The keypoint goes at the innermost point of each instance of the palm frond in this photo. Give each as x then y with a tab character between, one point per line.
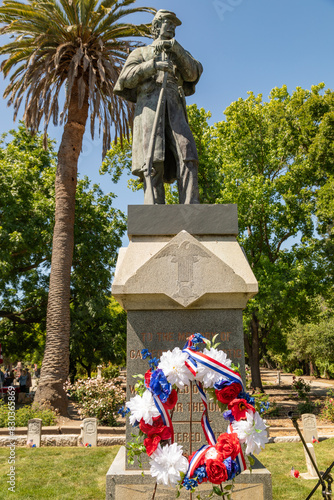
60	44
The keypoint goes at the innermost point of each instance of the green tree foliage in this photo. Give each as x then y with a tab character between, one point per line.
265	153
79	47
27	175
26	220
310	346
274	159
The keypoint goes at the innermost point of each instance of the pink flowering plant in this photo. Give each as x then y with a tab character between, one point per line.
328	409
151	412
97	398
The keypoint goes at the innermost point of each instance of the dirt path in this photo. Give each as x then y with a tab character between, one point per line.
286	400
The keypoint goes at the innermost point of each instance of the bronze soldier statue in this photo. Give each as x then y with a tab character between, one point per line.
157	78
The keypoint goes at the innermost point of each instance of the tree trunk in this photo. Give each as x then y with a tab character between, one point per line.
55	365
253	351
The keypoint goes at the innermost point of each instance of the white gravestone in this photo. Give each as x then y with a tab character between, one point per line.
34	432
310	430
99	371
90	431
311	472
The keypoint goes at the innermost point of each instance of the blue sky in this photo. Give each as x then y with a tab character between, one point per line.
244	45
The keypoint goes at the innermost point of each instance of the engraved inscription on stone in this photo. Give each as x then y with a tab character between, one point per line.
90	431
164	330
310	430
34	432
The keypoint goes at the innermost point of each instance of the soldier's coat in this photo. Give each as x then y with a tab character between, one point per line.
139	82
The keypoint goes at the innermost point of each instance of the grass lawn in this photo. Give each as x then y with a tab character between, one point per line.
280	457
79	473
57	473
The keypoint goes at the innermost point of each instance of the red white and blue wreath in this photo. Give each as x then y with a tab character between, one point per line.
156	395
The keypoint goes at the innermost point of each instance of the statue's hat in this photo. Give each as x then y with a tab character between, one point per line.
166	13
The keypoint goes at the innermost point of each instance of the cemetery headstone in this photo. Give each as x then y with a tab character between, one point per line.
99	371
310	430
34	432
311	472
90	431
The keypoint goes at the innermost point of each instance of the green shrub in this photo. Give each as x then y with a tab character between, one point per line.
111	371
27	412
299	372
98	398
326	369
307	407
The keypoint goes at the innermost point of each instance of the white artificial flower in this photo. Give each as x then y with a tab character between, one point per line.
167	463
208	376
252	431
172	364
211	454
142	407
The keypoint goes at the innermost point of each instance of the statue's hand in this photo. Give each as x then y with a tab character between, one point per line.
164	66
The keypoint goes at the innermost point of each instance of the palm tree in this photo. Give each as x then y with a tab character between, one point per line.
78	45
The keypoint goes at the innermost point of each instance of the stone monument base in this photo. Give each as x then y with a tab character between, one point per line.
125	484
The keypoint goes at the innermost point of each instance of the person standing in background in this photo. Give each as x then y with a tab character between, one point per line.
23	381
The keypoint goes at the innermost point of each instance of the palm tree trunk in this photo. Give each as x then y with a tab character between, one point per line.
55	367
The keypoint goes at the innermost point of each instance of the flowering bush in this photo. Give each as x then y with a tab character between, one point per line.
97	398
328	409
263	406
156	393
302	387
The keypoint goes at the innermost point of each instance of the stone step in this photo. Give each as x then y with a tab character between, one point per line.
63	440
66	430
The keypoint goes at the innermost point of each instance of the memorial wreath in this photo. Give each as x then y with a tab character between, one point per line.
219	460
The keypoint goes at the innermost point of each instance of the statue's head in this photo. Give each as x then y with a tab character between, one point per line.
164	24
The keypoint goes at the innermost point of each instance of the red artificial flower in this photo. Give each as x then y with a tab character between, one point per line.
155	433
172	400
227	394
239	408
151	444
216	471
296	473
228	445
156	428
147	378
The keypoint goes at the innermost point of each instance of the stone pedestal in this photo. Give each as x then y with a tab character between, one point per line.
123	484
182	273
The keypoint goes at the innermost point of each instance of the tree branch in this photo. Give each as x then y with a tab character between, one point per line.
28	268
280	244
16	316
